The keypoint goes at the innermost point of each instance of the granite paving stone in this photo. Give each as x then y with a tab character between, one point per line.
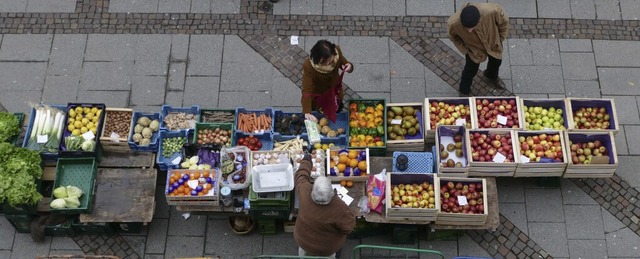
572	194
66	55
173	98
193	226
460	3
205	55
162	210
225	6
184	246
369	78
404	90
6	235
176	79
60	89
106	47
305	7
610	222
5	253
552	237
607	10
626	109
621	142
283	7
222	241
389	7
202	91
518	8
200	6
467	247
544	205
627	164
24	247
510	189
174	6
583	9
231	99
377	95
133	6
234	78
526	79
402	64
448	248
430	7
623	243
150	67
153	47
22	75
237	50
106	75
64	243
348	7
365	49
574	88
575	45
157	236
136	243
545	52
584	222
588	248
179	47
110	98
619	81
617	53
630	9
579	66
279	244
435	84
7	6
19	100
285	93
51	6
516	213
554	9
153	256
148	90
520	52
22	47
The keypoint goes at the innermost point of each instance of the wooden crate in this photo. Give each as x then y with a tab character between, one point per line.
444	136
205	200
491	168
431	131
115	143
546	103
340	176
526	168
573	104
410	143
516	101
419	214
599	170
449	218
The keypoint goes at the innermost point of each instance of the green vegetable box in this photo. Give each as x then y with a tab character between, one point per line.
75	177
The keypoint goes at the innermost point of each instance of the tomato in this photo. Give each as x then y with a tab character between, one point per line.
259	144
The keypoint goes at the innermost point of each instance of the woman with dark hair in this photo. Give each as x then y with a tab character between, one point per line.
322	81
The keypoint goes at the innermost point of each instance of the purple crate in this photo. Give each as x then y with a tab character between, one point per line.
607	104
604	138
450	131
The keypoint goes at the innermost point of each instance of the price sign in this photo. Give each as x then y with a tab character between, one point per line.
547	129
192	124
41	139
499	158
396	121
114	137
502	119
461	122
524	159
88	135
294	40
193	183
462	200
176	161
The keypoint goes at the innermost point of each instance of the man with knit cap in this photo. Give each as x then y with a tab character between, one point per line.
478	31
324	220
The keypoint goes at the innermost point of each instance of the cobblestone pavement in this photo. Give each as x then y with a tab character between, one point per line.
535	222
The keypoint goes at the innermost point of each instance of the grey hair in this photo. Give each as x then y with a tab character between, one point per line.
322	192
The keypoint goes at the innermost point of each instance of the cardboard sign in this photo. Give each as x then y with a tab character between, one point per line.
396	121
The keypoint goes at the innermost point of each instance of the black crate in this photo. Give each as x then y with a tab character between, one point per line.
61	230
20	222
267	226
92	228
404	234
127	227
270	212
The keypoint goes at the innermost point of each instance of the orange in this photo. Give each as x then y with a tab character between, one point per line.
353	154
362	165
341	167
343	183
349	184
197	175
353	162
343	159
205	174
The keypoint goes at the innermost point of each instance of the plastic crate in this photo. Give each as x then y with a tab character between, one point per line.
419	162
373	150
203	115
222	126
404	234
22	209
166	109
27	133
79	153
91	228
339	142
276	212
20	222
79	172
267	227
15	140
267	112
153	144
277	115
266	139
61	230
269	199
165	163
342	121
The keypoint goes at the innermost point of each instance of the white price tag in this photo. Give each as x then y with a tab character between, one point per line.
41	139
462	200
294	40
192	124
524	159
461	122
502	119
499	158
176	161
88	135
547	129
347	199
193	183
115	137
396	121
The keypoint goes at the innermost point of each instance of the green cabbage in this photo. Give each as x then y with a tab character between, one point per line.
58	204
72	202
60	192
73	191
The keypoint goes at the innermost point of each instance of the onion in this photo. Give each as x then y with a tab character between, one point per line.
217	130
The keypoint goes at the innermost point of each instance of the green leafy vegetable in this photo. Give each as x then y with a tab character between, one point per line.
19	170
9	126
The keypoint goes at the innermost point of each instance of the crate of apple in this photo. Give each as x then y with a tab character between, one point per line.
451	197
542	153
592	154
452	156
411	196
448	111
492	152
544	114
592	115
498	112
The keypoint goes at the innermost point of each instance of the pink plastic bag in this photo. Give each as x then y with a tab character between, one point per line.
375	193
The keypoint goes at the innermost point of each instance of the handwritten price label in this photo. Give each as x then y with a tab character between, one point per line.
524	159
499	158
502	119
88	135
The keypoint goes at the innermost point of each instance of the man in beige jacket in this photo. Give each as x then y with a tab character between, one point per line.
478	31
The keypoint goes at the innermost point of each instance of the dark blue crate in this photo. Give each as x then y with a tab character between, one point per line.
79	153
165	163
266	139
419	162
153	145
277	114
340	142
267	111
548	103
277	137
342	121
166	109
32	117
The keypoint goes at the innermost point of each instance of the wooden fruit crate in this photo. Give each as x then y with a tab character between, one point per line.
204	200
477	113
546	103
526	168
444	136
417	214
410	143
493	168
471	123
573	104
340	176
449	218
111	141
604	167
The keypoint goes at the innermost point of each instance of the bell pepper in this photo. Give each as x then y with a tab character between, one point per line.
353	107
361	107
380	130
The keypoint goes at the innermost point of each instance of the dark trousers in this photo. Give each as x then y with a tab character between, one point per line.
471	69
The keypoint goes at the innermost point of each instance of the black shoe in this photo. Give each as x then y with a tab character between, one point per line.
274	1
490	79
497	82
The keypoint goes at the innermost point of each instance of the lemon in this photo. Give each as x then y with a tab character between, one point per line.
76	132
85	121
78	117
317	145
90	125
95	119
87	110
79	110
89	115
71	127
94	130
325	146
94	109
98	112
72	113
83	130
77	124
70	121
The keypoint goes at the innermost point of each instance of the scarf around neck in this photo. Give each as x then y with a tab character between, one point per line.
325	69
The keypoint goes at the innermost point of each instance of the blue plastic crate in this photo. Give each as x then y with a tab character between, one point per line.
277	114
267	111
340	142
433	154
266	139
32	117
165	163
166	109
342	121
153	145
419	162
277	137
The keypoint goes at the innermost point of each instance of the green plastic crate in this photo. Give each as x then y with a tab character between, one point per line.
270	212
404	234
203	115
20	222
16	139
373	150
224	126
267	226
62	230
271	199
91	228
79	172
22	209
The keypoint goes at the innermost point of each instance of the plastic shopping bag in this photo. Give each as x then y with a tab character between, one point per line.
375	191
